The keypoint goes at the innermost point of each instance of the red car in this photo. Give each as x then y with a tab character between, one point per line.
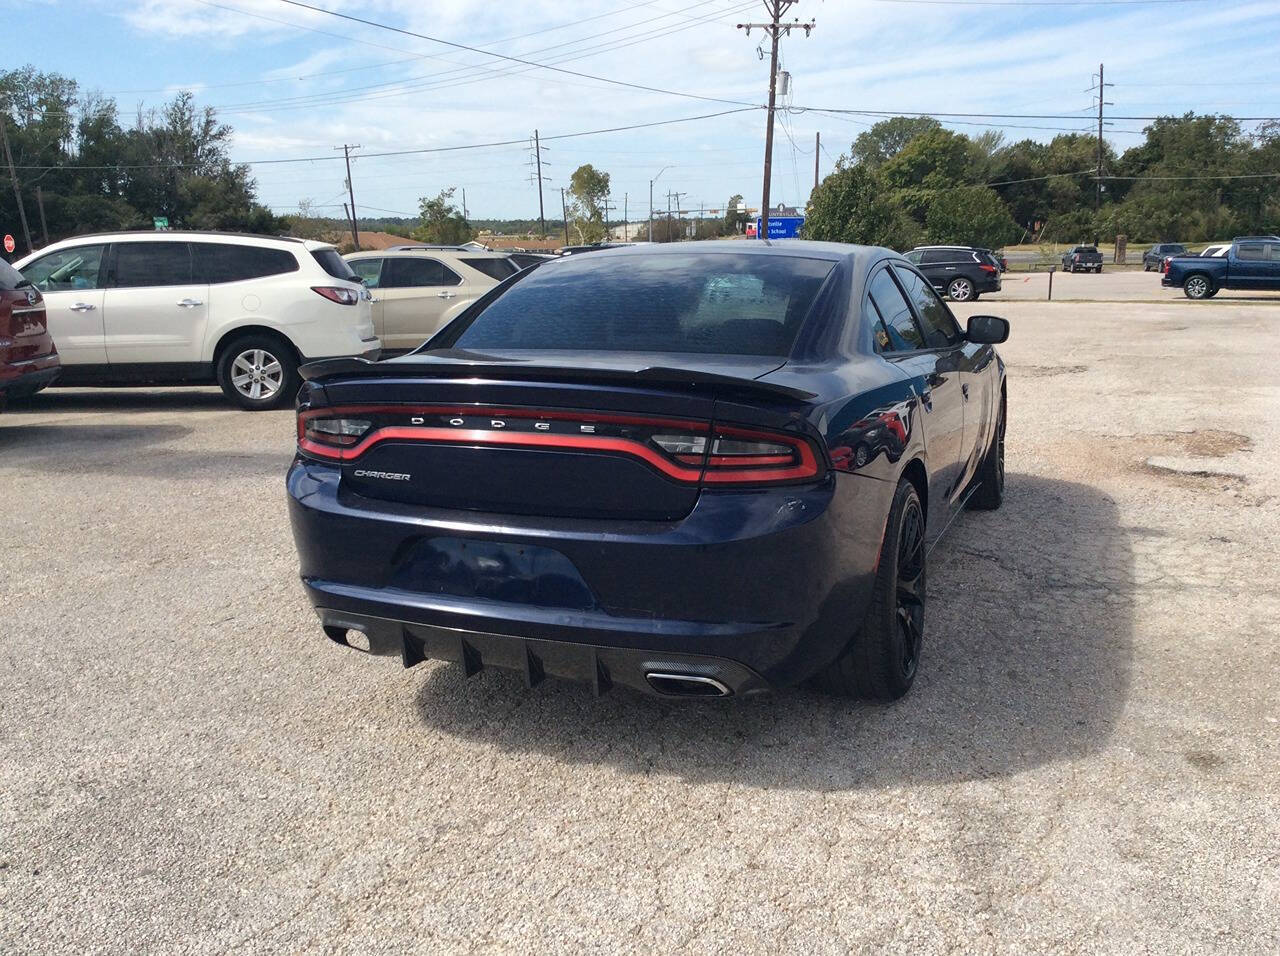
28	358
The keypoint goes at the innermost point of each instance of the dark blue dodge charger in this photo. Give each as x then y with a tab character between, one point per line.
701	469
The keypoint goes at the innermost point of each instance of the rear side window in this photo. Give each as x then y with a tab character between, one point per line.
1251	250
223	262
368	271
410	273
10	278
691	302
79	267
333	264
897	331
494	268
939	255
940	329
141	265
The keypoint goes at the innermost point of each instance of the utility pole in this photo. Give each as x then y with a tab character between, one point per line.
1102	101
44	226
817	148
351	193
537	156
607	206
624	217
651	182
464	207
13	175
565	209
775	27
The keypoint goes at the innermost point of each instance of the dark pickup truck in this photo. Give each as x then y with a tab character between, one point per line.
1252	265
1082	259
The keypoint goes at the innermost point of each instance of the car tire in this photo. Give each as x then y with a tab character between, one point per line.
1197	287
258	372
881	661
1146	266
989	493
961	289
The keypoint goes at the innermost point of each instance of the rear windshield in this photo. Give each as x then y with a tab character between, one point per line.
10	278
332	263
493	268
713	303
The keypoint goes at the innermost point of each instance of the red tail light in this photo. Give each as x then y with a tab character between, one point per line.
1164	267
686	451
337	293
992	269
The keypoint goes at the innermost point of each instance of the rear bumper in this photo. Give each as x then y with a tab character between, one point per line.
757	589
18	379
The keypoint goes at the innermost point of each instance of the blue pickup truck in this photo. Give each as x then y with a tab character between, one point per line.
1252	263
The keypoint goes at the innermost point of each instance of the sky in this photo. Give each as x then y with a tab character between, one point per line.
295	84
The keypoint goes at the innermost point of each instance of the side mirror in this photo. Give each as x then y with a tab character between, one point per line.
987	330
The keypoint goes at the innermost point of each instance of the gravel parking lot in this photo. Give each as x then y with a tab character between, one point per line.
1090	760
1111	285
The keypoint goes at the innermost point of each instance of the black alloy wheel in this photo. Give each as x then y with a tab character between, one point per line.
910	590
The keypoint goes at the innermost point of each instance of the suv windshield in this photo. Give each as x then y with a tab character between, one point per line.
332	263
712	303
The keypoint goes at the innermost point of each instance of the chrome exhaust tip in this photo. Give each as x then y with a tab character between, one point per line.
686	685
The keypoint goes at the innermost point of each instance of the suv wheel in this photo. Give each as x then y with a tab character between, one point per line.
960	289
258	372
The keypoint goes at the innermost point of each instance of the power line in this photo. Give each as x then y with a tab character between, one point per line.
1040	116
513	59
466	73
1038	3
408	152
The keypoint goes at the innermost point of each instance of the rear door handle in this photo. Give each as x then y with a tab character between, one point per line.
447	295
189	303
83	307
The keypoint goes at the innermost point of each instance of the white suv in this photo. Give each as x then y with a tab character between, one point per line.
194	308
418	290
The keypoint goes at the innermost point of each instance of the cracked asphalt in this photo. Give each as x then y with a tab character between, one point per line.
1089	762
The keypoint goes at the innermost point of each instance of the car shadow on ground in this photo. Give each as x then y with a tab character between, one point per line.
1027	661
123	399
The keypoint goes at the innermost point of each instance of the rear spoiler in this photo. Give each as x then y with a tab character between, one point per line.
686	378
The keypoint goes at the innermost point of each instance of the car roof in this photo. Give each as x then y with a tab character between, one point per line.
785	248
410	253
152	235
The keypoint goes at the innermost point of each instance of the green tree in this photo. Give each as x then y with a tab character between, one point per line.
970	216
589	188
886	139
735	215
442	221
853	205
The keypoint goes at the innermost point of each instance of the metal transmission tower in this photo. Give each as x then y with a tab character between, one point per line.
351	194
774	28
1101	88
538	179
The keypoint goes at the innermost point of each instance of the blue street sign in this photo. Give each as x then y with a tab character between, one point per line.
782	227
